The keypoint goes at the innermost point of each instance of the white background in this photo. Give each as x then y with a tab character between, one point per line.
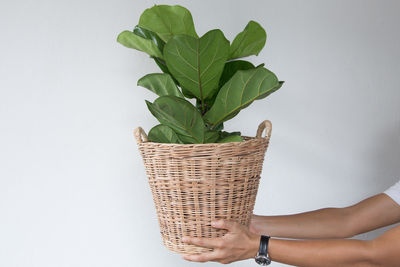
73	190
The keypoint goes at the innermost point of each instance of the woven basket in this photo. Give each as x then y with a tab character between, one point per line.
193	184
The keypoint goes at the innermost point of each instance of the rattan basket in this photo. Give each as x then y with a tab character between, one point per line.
193	184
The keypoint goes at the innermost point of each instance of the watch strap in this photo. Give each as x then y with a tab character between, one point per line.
264	241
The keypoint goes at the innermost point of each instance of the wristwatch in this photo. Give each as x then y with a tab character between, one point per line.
262	257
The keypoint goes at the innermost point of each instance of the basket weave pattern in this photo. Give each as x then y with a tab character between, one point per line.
193	184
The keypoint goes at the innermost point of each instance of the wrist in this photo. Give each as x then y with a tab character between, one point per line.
257	224
254	245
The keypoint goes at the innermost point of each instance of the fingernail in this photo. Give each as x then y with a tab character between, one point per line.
213	223
184	239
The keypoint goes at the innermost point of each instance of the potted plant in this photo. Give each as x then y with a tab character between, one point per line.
197	171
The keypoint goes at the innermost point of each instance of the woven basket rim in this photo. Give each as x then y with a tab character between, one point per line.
248	139
142	138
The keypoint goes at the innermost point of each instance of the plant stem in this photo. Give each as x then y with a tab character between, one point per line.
203	110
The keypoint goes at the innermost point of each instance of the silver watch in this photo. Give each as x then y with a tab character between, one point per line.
262	257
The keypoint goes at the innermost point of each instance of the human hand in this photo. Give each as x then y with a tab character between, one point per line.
237	244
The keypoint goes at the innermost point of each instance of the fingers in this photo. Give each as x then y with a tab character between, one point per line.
207	256
211	242
202	242
224	224
225	249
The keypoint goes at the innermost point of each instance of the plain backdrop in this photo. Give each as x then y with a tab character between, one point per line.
73	190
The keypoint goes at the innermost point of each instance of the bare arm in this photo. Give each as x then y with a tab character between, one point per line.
383	251
239	244
369	214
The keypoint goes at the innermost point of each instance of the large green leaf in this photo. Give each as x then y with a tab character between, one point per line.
131	40
232	67
196	63
163	134
239	92
168	21
161	84
249	42
181	116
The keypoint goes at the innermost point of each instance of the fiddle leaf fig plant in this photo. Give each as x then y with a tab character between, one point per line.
207	69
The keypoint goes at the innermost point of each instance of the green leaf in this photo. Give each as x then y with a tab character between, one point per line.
276	88
168	21
231	138
131	40
211	136
163	134
187	93
161	64
197	64
225	137
161	84
231	68
239	92
146	34
219	127
181	116
224	134
249	42
186	139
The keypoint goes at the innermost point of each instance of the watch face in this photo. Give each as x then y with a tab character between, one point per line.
262	260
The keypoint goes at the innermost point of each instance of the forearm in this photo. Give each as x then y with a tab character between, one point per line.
239	244
369	214
323	223
322	252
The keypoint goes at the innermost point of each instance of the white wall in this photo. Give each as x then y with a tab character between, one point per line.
73	191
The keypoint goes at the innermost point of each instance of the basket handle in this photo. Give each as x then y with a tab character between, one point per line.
140	135
267	125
